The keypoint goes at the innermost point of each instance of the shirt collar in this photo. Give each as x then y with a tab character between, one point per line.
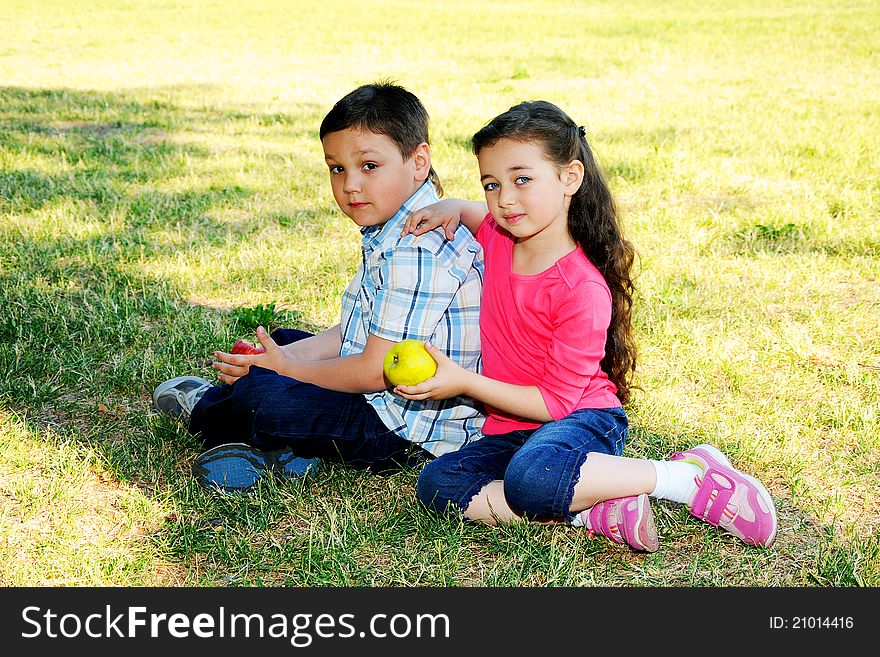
375	235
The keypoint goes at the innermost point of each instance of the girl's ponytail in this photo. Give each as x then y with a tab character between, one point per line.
593	223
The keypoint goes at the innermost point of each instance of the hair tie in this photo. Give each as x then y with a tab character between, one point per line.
582	131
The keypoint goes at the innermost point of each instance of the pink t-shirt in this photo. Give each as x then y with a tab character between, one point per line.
546	330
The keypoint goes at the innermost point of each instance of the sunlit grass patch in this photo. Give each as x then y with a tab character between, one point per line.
67	520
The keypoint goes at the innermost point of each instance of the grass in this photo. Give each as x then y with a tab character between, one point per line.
162	188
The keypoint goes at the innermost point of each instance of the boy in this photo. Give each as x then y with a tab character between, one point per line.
311	396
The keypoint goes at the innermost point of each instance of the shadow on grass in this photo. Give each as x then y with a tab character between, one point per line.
794	238
85	334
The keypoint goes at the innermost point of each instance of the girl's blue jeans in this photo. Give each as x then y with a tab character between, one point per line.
270	411
539	467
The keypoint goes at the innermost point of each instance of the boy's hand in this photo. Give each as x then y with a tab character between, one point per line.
449	381
444	213
231	367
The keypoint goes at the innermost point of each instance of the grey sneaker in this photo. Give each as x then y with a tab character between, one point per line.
177	397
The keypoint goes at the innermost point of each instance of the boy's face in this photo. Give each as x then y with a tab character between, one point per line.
369	177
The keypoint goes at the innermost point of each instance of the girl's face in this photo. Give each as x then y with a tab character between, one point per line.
527	193
370	179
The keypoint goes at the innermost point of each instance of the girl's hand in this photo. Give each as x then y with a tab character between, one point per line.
231	367
449	381
444	213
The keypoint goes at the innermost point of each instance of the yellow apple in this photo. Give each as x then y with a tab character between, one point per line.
408	363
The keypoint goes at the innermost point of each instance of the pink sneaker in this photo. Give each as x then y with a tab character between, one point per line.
730	499
627	520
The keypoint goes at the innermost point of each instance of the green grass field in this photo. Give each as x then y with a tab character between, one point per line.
160	168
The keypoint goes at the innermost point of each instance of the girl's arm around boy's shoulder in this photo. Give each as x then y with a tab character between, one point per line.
448	214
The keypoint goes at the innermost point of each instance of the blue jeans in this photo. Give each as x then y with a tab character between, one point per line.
539	467
270	411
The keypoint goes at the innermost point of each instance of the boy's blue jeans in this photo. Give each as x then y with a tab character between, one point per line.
270	411
539	467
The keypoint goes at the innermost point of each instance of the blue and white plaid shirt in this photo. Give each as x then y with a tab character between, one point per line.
423	288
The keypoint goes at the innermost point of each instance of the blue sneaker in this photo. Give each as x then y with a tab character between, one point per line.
236	467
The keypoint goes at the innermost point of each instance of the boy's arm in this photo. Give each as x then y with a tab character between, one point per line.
318	347
356	373
448	214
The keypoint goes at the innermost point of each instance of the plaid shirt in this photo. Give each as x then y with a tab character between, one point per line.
425	288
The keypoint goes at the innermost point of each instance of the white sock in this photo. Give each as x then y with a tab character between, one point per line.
577	521
675	480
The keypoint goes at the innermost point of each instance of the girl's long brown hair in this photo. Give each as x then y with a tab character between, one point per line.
592	220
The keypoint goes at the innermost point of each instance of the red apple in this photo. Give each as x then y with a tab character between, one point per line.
242	347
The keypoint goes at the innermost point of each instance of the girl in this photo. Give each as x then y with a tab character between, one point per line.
558	355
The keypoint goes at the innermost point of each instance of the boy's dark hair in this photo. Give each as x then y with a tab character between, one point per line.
593	221
385	109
